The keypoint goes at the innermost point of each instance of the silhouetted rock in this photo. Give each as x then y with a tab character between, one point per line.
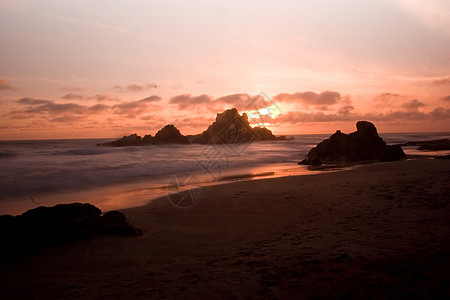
170	135
115	223
265	134
147	139
131	140
434	145
45	226
361	145
228	128
392	153
232	128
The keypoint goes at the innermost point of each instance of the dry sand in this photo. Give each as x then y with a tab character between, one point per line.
378	231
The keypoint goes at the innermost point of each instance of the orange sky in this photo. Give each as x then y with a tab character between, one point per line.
76	69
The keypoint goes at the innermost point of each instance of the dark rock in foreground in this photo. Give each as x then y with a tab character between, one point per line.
63	223
434	145
362	145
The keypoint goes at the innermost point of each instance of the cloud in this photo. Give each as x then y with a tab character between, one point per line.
442	81
385	100
311	98
98	108
4	85
66	119
347	115
244	101
440	113
194	121
135	108
241	101
186	100
65	111
71	96
105	97
446	98
135	87
52	107
72	89
151	99
56	111
312	117
412	105
32	101
385	97
233	98
345	110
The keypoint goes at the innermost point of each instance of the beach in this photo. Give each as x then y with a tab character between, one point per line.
376	231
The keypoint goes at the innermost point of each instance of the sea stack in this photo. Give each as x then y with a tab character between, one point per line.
362	145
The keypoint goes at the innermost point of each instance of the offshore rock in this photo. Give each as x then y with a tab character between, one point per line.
434	145
170	135
232	128
362	145
229	128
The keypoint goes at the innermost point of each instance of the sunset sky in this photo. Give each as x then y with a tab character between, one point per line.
107	68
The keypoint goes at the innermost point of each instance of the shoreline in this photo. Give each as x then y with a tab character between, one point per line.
144	191
376	231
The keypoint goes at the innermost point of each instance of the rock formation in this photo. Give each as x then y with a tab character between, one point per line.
228	128
131	140
434	145
168	135
232	128
45	226
362	145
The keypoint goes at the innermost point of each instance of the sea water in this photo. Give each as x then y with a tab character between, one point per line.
45	172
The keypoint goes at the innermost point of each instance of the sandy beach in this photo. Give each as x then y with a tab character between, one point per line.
379	231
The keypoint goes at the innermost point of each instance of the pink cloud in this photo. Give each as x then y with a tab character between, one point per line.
347	115
4	84
442	81
105	97
134	87
133	109
72	96
412	105
186	100
322	100
72	89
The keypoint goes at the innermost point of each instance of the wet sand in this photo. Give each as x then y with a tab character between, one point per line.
377	231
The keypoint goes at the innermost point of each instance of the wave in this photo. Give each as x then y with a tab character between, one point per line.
29	167
81	151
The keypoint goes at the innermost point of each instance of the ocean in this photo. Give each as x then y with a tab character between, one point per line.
46	172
